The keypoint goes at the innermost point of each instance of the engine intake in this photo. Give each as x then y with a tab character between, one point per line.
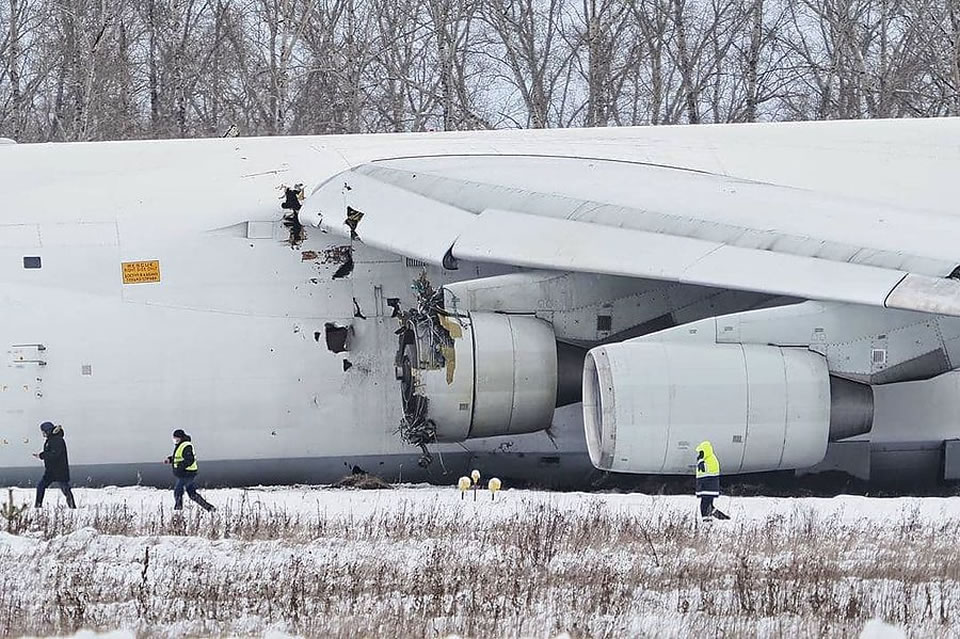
647	404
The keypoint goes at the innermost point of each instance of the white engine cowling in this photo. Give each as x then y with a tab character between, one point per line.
646	406
477	375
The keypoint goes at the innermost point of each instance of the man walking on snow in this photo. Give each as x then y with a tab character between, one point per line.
708	481
55	464
185	469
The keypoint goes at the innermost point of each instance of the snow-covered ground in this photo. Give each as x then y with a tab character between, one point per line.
419	561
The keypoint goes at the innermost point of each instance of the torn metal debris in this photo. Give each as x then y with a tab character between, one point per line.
293	201
346	268
426	337
356	310
394	304
292	197
361	480
336	254
342	255
297	234
353	220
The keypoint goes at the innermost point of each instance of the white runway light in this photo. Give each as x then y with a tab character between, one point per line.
493	486
463	484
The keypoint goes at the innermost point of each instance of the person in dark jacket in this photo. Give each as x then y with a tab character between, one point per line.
708	481
185	467
55	463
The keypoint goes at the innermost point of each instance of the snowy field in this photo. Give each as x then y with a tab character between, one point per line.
420	562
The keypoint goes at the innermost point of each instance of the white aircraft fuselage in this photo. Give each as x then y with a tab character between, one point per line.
148	286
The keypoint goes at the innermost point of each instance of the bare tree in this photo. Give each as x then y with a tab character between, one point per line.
604	46
651	86
528	31
12	47
117	69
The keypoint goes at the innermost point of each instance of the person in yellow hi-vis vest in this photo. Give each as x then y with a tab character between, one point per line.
708	481
185	468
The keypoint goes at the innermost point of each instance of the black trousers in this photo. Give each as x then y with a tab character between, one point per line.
706	505
64	488
185	484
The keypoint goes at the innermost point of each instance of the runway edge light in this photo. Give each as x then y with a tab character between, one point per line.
464	485
493	486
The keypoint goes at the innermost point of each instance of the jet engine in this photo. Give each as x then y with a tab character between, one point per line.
477	375
647	404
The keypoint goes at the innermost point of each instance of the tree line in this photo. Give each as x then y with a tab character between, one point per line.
125	69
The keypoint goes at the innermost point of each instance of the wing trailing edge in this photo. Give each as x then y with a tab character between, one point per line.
539	242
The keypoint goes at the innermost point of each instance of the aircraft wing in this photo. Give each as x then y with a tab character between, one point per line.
647	221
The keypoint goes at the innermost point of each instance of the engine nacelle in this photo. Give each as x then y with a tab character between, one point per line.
476	375
647	404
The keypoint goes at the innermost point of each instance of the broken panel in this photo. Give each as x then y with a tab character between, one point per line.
356	310
353	220
293	201
346	268
337	337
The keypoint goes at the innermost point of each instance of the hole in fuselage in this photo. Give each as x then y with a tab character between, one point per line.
337	337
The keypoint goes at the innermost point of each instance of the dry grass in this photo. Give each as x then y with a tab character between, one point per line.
426	568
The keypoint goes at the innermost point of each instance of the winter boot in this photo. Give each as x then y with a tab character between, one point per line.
719	514
207	506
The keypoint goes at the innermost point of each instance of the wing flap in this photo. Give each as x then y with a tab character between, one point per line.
539	242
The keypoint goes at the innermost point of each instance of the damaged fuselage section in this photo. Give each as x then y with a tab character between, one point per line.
468	375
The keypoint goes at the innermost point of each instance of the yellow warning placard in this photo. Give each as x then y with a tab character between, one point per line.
144	272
